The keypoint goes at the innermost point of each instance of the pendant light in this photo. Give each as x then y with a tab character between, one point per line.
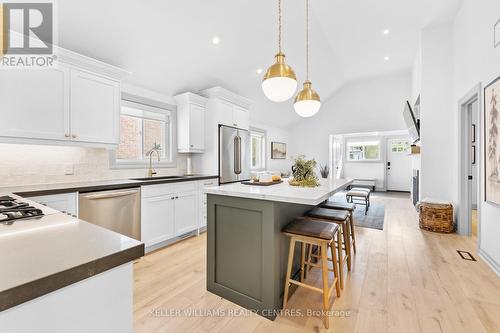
307	102
279	82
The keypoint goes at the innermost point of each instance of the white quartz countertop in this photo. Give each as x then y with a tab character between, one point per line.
283	192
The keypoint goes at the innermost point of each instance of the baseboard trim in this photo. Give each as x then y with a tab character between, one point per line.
490	261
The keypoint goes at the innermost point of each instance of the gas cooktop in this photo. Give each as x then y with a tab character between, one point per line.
12	209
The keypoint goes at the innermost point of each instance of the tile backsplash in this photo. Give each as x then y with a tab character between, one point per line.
37	164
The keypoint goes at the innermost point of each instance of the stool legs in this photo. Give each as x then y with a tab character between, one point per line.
341	260
291	251
353	235
302	261
346	230
326	289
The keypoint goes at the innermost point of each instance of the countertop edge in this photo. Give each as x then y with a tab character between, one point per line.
104	187
39	287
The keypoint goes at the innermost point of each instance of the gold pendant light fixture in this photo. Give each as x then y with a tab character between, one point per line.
307	102
279	82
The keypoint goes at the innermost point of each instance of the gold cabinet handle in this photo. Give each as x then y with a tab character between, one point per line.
66	135
73	136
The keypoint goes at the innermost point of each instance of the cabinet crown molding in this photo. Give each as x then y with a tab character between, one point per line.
221	93
78	60
192	98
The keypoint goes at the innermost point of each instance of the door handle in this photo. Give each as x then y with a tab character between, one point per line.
237	155
109	195
469	177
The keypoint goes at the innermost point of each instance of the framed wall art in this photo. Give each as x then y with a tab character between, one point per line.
492	142
278	150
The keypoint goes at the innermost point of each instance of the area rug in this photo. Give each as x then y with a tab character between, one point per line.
373	219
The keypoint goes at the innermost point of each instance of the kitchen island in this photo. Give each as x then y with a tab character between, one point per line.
246	251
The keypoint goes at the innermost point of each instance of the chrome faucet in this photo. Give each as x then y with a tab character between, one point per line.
156	149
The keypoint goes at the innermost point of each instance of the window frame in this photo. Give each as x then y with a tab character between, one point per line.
363	143
152	106
263	134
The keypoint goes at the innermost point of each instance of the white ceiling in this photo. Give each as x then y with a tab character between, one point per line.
167	45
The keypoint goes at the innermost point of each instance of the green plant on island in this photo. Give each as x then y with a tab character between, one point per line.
303	172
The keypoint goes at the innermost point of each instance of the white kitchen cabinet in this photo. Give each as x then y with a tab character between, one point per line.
202	200
190	123
75	103
35	104
95	108
65	203
185	216
157	219
168	211
241	118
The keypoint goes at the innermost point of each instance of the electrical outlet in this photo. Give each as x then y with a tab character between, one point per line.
69	169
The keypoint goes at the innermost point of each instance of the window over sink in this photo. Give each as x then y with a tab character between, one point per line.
143	126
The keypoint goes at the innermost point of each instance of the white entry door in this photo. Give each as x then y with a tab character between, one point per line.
398	165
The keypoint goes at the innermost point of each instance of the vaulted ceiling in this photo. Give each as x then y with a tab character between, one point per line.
167	45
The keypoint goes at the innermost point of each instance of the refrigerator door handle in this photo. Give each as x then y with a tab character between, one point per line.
237	154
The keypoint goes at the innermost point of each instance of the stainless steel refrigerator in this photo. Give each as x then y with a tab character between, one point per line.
234	154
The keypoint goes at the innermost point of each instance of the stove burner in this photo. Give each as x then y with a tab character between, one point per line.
12	209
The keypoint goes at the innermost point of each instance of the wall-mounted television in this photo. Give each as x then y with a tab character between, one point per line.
412	124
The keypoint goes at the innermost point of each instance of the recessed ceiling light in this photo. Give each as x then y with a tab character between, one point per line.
386	58
386	31
259	70
216	40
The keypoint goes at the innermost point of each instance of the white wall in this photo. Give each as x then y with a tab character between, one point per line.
374	104
438	116
275	134
475	60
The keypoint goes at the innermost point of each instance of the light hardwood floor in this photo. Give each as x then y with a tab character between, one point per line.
403	280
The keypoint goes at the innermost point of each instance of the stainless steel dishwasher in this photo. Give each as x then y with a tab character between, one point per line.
117	210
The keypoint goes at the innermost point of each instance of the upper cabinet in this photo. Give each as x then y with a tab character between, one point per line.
228	108
190	123
76	102
34	104
94	119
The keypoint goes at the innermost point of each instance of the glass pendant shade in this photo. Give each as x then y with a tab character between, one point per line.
307	102
280	82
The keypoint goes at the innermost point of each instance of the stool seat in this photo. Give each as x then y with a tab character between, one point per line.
360	189
339	205
305	226
357	193
329	214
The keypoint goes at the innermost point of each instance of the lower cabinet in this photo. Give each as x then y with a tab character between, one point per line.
66	203
157	219
185	217
168	211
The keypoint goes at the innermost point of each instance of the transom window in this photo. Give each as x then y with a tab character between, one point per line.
257	150
363	151
400	146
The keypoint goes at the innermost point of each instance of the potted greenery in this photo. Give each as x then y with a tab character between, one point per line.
303	172
324	170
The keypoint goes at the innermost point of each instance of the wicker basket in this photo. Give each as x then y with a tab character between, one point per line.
437	217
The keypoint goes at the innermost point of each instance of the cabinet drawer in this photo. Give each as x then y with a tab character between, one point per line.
207	183
149	191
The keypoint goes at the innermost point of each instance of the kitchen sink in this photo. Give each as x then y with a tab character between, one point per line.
157	178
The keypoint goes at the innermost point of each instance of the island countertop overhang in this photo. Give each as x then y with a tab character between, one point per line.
283	192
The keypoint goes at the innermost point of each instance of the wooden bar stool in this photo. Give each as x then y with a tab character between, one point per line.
350	207
340	218
322	234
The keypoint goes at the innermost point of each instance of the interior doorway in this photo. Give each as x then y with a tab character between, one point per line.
469	163
399	171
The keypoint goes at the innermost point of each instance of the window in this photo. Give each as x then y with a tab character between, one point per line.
143	127
400	146
257	150
363	151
